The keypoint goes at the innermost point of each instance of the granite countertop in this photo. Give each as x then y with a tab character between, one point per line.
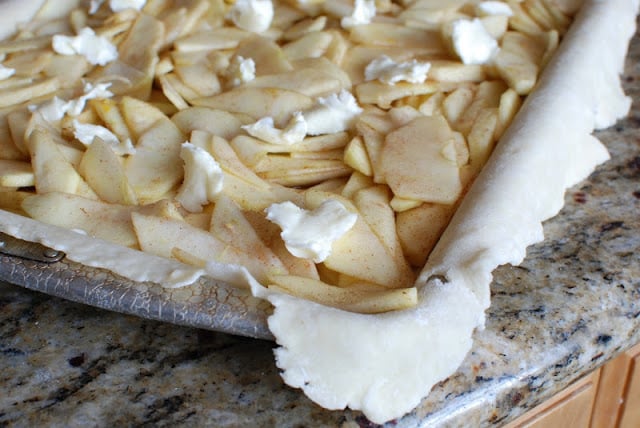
572	305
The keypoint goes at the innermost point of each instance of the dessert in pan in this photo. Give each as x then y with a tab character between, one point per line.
361	166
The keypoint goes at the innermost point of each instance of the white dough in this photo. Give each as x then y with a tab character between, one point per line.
410	351
385	364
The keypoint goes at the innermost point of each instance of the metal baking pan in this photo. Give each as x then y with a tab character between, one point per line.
207	304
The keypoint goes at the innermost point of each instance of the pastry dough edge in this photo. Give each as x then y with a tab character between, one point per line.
328	353
332	354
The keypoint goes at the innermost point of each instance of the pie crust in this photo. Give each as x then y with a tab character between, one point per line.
385	364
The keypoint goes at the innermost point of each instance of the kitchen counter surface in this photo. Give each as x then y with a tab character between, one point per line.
572	305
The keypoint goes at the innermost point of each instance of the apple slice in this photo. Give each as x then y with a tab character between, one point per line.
456	103
269	233
53	172
259	102
175	91
373	205
356	181
519	59
138	50
108	111
156	167
412	161
266	54
252	150
230	162
292	171
455	71
179	21
384	95
487	95
496	25
373	141
396	35
229	224
310	45
326	66
214	39
482	138
432	105
12	143
199	77
12	97
15	173
161	236
420	228
361	300
304	27
103	171
311	82
399	204
102	220
510	103
11	199
360	253
139	115
217	122
355	155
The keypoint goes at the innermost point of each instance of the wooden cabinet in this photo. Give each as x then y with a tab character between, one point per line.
607	398
618	399
568	409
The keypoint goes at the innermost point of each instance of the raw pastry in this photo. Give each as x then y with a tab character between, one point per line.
384	364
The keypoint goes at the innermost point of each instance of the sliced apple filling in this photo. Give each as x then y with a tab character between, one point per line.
178	128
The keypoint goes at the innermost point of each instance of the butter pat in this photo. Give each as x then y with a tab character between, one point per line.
203	178
252	15
241	70
52	110
99	91
388	71
363	13
310	234
334	113
120	5
96	49
265	130
472	42
86	133
56	108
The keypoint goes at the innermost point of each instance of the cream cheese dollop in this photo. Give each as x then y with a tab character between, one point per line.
363	13
388	71
241	70
87	132
252	15
55	109
310	234
472	42
265	130
333	113
98	50
203	178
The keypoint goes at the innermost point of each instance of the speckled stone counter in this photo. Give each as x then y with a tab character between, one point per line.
572	305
